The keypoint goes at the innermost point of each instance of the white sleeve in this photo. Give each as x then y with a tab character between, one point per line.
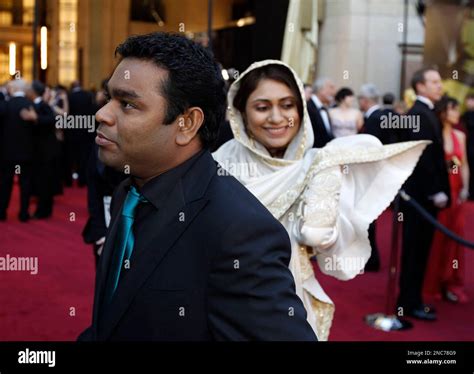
341	201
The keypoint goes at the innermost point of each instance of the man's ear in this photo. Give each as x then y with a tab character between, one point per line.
189	124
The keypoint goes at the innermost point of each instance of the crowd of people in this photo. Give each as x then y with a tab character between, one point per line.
297	140
44	153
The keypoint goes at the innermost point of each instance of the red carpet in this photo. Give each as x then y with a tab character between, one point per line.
56	303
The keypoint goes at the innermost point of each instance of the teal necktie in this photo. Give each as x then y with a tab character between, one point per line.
124	241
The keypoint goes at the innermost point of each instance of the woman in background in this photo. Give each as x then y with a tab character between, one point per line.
346	120
445	271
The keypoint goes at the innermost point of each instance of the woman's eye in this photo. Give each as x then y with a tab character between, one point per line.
261	108
288	106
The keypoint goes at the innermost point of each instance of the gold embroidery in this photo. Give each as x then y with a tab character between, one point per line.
306	268
324	313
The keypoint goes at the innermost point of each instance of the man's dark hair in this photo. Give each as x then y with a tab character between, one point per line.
388	98
419	76
38	87
194	77
275	72
342	94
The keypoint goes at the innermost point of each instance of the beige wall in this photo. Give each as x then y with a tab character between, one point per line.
359	42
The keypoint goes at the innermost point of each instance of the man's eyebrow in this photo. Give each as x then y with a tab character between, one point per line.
124	94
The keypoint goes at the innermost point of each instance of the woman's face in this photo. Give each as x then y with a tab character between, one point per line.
271	116
349	101
453	114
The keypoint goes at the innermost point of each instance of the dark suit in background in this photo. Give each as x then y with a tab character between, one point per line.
321	135
429	177
468	120
17	154
101	183
46	148
209	263
372	126
78	142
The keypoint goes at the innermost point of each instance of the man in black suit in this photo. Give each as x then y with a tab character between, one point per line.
101	183
17	149
383	123
78	141
46	148
468	121
190	253
324	91
368	103
429	186
393	135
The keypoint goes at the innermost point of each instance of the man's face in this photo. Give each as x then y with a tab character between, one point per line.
470	104
432	88
364	103
132	136
327	93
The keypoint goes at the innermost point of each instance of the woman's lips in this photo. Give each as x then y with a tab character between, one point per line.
276	131
102	140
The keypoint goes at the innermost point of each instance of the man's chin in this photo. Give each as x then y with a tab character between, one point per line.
108	159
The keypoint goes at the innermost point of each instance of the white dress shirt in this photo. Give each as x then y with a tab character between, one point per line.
426	101
323	113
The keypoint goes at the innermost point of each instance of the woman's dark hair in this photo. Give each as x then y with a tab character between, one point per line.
342	94
194	78
278	73
441	107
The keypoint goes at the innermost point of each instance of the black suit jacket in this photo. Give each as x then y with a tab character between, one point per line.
17	134
101	182
321	135
219	274
81	103
46	143
374	125
431	173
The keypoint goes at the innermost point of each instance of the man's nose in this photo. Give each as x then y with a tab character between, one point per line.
104	115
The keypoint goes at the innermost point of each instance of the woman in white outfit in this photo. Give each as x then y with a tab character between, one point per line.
326	198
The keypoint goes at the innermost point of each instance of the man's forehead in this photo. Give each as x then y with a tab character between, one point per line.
134	68
432	75
133	73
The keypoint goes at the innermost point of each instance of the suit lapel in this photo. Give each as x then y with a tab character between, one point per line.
183	206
